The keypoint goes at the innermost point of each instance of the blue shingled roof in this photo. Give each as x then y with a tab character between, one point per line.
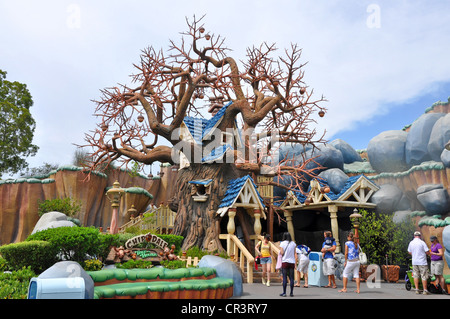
233	189
200	127
217	153
195	127
201	181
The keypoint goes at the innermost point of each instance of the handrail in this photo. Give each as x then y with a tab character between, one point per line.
234	246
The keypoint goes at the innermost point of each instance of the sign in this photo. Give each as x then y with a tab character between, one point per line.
150	238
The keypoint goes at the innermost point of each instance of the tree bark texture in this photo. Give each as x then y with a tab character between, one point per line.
197	221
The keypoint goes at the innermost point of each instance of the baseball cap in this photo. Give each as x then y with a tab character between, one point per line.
433	238
417	233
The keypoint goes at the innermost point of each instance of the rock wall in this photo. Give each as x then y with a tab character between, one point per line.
19	198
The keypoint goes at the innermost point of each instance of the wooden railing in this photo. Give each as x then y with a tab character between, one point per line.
238	253
163	218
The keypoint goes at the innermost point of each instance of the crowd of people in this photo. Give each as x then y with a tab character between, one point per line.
293	257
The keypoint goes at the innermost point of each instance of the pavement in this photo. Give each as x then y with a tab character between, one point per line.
382	290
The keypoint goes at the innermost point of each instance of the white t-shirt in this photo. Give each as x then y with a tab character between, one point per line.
289	251
418	249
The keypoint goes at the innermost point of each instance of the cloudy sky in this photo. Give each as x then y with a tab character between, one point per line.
378	63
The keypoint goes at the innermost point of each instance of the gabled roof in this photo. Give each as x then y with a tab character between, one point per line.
241	192
357	189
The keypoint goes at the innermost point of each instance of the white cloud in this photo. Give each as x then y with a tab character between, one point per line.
66	51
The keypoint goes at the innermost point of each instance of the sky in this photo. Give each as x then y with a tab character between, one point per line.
379	64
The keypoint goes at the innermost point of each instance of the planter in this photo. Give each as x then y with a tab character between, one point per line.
391	273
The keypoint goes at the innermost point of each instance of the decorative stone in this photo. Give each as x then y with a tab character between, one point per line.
335	178
434	198
387	198
349	154
440	135
416	148
52	220
386	151
70	269
224	268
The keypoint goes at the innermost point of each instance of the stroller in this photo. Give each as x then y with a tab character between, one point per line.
432	287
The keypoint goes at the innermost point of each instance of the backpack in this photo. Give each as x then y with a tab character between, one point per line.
304	249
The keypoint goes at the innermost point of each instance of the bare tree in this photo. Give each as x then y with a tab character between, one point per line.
263	95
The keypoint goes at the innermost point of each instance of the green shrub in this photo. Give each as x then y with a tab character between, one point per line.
92	265
173	264
15	285
39	255
77	243
380	236
130	264
67	206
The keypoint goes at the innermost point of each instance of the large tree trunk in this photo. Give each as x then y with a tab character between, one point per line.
197	221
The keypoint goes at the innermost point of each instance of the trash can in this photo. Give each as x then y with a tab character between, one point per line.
315	270
56	288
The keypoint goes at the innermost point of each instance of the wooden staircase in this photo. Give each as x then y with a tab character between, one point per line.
275	277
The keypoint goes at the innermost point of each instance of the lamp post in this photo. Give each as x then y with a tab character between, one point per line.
114	194
355	218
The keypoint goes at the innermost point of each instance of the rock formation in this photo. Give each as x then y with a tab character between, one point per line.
19	197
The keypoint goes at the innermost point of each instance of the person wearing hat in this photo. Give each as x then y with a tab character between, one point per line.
419	251
437	262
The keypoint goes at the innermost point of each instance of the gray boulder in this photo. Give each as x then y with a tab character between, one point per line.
224	268
70	269
387	198
401	216
440	135
386	151
326	156
416	148
434	198
445	158
349	154
335	178
446	243
52	220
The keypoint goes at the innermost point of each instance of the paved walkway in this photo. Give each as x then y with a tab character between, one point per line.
384	291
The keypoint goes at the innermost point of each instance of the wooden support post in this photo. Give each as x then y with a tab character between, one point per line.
288	214
332	209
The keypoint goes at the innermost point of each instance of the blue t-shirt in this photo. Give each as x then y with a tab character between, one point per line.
328	254
353	252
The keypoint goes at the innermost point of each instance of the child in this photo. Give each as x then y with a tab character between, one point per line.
329	243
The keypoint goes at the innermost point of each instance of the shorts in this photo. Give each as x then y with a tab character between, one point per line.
265	260
437	267
329	266
303	265
351	268
420	272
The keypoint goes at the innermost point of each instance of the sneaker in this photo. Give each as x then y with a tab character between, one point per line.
417	292
283	295
268	283
425	292
263	281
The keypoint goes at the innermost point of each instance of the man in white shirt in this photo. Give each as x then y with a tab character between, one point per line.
419	251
